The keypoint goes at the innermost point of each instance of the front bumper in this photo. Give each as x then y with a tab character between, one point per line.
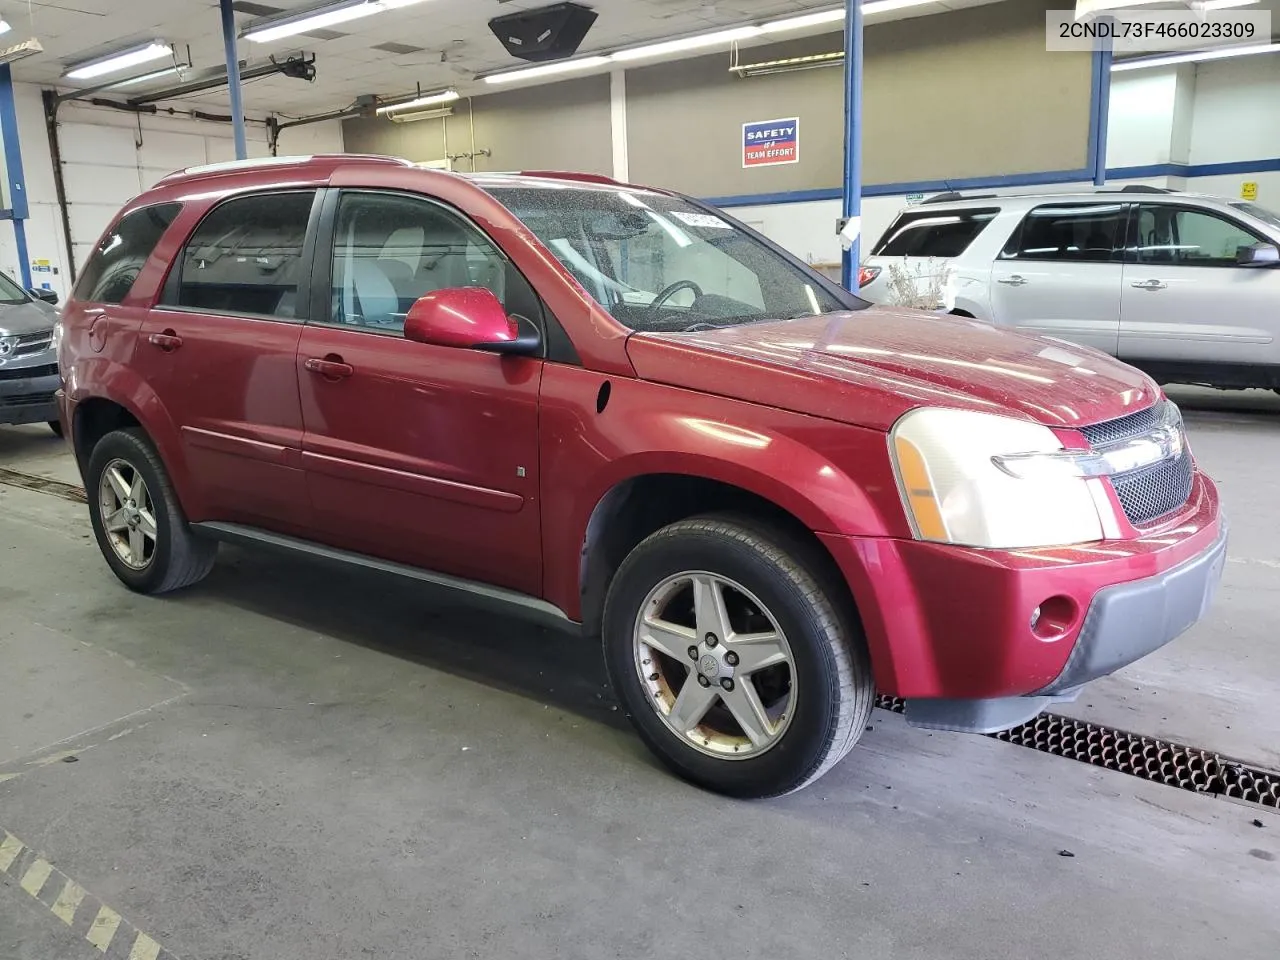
29	399
957	632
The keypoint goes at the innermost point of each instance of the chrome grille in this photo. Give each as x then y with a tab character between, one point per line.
1153	492
33	343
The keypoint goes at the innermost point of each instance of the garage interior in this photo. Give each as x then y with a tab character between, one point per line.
295	761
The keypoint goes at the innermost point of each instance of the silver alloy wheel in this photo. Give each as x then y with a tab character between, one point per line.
716	665
128	514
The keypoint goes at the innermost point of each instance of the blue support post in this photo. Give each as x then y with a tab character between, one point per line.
233	78
1101	111
18	210
852	187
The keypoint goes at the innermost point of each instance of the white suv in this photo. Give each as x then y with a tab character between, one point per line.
1177	284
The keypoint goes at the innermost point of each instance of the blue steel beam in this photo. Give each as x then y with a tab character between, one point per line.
18	210
233	78
852	188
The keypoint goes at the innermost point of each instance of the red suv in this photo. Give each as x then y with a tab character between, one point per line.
616	408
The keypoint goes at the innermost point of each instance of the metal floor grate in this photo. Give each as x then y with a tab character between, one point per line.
1160	761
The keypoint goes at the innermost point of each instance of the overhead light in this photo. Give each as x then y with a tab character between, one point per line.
789	64
1195	56
448	96
305	21
803	21
143	78
413	116
549	70
681	44
20	51
1225	4
118	61
887	6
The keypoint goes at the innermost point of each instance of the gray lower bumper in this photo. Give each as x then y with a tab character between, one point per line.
29	399
1125	622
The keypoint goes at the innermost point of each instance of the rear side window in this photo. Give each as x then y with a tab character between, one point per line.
929	233
246	257
1079	233
116	262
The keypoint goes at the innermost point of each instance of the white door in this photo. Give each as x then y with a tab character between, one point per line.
1185	297
1060	274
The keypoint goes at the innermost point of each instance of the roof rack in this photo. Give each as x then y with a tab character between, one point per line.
1138	188
951	196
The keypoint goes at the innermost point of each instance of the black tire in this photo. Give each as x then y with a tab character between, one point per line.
180	558
830	659
56	427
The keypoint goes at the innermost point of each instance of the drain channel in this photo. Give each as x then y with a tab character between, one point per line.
28	481
1148	758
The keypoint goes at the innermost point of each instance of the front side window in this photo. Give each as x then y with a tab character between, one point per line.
389	250
246	257
660	263
929	233
1188	238
116	262
1076	233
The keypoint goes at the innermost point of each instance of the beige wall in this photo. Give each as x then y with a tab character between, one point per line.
564	126
962	94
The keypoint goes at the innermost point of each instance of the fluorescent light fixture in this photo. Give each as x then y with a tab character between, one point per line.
803	21
118	61
434	99
681	44
1225	4
888	6
315	18
20	51
4	26
549	70
1195	56
143	78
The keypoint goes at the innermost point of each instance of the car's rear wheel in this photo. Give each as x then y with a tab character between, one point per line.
136	518
738	662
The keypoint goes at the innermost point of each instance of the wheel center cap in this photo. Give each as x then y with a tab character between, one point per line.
709	667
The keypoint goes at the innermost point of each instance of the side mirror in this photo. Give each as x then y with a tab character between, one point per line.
1259	255
471	318
48	296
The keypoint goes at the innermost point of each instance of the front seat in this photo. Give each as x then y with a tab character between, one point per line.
370	299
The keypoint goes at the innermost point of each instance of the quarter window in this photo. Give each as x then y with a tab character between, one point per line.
390	250
116	262
1188	238
246	257
1079	233
929	233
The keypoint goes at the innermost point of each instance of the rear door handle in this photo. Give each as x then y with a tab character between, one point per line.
331	367
1149	284
167	341
1016	280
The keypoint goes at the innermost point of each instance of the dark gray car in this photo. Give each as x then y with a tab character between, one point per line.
28	360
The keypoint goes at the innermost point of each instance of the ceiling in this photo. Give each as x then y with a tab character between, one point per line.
434	44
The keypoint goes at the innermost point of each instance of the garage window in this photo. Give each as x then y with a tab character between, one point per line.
930	233
115	264
1075	233
246	257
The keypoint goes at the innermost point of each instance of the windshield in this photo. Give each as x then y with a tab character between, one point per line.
662	264
1261	213
10	292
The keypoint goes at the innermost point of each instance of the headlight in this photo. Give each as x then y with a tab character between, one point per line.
57	335
984	480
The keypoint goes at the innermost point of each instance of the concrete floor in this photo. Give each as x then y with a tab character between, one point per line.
291	762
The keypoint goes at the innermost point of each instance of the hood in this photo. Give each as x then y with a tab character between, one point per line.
17	319
869	367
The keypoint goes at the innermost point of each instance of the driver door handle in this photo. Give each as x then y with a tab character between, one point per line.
1149	284
167	341
331	368
1016	280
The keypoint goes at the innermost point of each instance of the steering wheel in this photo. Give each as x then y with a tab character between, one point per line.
670	291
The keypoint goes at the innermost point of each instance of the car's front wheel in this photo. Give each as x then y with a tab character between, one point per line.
738	662
136	518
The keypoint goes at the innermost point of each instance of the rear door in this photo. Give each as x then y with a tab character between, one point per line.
1060	274
1186	299
220	350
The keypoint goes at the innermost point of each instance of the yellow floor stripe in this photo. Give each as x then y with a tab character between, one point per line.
144	948
10	847
103	929
33	880
68	902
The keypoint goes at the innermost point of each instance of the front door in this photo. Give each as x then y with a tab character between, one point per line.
1187	300
420	454
221	349
1060	274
